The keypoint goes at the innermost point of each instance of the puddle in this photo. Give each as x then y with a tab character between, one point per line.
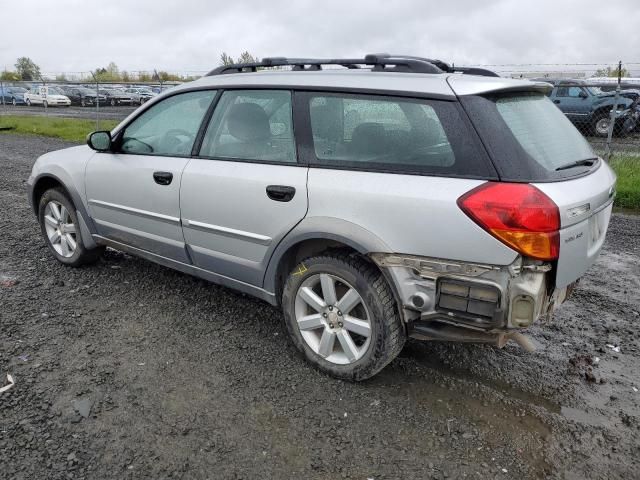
496	423
494	384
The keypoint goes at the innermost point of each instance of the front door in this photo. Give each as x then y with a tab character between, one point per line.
134	193
574	102
246	190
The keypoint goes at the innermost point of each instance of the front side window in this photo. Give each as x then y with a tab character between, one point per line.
169	127
378	131
571	92
251	125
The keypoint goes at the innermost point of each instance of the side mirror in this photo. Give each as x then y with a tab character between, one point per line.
99	141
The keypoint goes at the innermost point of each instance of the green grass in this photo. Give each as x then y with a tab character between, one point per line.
627	169
72	129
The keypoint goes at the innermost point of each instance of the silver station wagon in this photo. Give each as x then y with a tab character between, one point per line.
372	199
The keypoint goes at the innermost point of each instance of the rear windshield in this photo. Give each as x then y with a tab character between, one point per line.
541	138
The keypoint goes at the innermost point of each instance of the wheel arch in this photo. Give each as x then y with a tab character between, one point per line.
313	236
46	181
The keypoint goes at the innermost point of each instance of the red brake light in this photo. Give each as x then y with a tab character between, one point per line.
517	214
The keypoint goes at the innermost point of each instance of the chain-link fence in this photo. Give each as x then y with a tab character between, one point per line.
602	101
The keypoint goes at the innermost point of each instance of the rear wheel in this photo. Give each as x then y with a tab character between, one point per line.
601	125
341	315
61	231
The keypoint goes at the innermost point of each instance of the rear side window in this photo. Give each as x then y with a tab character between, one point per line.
399	135
528	137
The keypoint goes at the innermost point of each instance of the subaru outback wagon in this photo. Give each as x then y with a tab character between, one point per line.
381	198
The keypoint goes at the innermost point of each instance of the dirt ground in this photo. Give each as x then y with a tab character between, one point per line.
130	370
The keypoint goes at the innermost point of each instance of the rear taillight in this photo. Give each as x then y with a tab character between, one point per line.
518	214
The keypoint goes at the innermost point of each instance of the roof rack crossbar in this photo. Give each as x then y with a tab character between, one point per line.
377	62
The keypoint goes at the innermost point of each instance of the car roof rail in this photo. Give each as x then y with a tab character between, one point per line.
377	61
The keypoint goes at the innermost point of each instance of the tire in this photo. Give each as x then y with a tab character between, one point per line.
28	102
375	328
79	255
113	102
601	125
14	102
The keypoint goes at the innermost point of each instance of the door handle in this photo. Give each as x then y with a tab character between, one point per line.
556	101
280	193
163	178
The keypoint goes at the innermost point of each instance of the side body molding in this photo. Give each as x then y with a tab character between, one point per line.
325	228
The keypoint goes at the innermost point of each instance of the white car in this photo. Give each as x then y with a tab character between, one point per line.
46	96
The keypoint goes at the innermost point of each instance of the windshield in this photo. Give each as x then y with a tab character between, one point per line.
55	91
595	90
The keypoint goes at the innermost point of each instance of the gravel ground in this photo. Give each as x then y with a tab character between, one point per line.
130	370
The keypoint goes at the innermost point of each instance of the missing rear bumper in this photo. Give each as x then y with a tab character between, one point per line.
471	295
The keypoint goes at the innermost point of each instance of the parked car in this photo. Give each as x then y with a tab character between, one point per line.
589	108
139	95
406	199
116	97
82	96
12	95
47	96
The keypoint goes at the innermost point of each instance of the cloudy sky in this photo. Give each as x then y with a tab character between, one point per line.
189	35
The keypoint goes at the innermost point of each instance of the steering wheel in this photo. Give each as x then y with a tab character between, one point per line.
170	142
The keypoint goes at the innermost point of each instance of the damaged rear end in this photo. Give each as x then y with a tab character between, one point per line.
551	205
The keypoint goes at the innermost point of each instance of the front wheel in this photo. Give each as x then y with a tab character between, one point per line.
341	314
61	230
28	102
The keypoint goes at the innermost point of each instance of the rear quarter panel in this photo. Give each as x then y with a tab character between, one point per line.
412	214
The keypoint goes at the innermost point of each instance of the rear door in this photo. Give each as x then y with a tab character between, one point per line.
246	190
134	193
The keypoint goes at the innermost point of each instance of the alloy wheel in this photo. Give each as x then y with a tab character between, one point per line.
61	231
333	318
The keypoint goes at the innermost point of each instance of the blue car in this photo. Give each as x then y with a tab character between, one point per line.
12	95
